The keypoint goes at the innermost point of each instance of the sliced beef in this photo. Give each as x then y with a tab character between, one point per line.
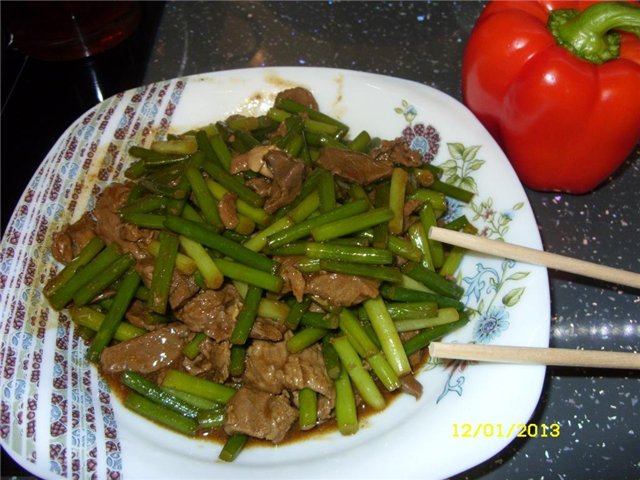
411	386
341	290
418	358
397	152
147	353
267	329
212	362
68	242
264	366
260	185
139	237
280	131
213	312
227	210
183	287
111	228
219	355
325	408
282	175
306	369
354	167
299	95
252	160
271	368
139	315
259	414
410	207
288	175
335	289
293	279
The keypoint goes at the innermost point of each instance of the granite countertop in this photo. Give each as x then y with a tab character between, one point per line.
424	41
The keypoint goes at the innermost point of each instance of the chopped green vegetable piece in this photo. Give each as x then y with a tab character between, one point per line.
152	391
349	225
346	412
64	294
359	375
308	406
163	272
247	316
90	250
433	281
198	386
388	335
162	415
232	447
124	295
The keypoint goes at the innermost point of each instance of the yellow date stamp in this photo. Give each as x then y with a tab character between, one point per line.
499	430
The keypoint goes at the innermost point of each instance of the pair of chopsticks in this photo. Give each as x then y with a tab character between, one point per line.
535	355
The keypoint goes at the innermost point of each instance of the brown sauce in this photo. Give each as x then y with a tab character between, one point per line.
218	435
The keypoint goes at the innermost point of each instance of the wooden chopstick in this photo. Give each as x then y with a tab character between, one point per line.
535	355
529	255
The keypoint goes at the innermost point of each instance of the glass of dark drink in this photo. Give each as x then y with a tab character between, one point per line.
58	30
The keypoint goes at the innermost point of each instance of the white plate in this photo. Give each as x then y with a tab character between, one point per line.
58	419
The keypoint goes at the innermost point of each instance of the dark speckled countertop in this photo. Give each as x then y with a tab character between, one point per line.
598	410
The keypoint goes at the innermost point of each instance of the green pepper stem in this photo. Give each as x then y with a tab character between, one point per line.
590	34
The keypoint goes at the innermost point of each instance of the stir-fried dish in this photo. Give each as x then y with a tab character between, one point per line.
261	276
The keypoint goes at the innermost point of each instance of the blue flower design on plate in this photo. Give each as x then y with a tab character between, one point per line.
490	324
508	215
123	122
114	461
477	283
55	467
19	222
109	420
5	267
149	110
58	371
78	357
80	396
56	413
22	340
36	298
452	386
61	331
86	131
70	169
83	437
420	144
17	387
455	209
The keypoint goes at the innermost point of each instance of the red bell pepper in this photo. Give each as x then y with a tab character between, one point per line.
557	83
